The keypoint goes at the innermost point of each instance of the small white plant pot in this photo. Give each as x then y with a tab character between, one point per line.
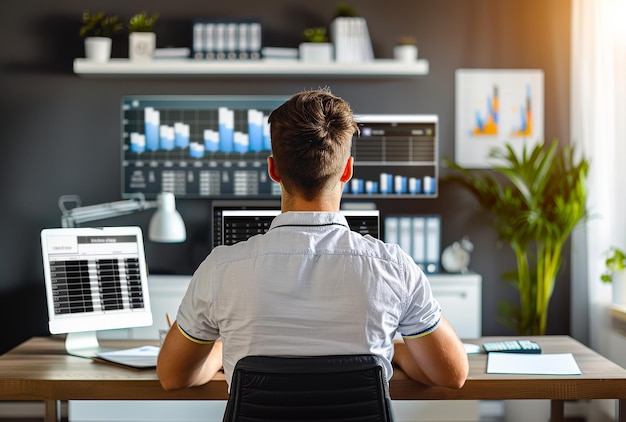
316	52
405	53
141	46
619	288
98	49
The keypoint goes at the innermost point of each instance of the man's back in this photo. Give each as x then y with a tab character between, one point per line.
310	286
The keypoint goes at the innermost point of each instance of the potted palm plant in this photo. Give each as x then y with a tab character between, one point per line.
142	39
98	30
536	199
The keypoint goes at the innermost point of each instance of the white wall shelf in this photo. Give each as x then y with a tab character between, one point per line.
116	68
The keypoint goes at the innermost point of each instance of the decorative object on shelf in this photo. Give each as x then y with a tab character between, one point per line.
218	38
350	36
98	30
456	257
141	38
536	198
615	264
315	47
405	50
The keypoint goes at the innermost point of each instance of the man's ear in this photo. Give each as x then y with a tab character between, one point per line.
347	171
271	169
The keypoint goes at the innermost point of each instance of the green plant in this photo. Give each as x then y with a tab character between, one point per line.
406	40
141	22
536	199
100	25
317	34
615	261
344	10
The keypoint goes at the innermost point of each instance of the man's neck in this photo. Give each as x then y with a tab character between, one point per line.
322	204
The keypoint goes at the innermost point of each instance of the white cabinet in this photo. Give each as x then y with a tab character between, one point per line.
460	297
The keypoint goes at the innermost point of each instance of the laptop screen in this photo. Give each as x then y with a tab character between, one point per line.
240	225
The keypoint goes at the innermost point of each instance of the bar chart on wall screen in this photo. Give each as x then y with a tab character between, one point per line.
217	147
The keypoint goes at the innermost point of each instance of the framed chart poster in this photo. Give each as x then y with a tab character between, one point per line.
495	107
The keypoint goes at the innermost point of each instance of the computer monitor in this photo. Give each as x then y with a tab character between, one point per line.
240	225
395	156
219	206
95	279
197	146
216	147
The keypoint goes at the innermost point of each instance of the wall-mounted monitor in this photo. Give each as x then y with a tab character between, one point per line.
197	146
216	147
95	279
395	156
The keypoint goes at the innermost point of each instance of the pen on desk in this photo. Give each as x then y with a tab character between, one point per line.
169	319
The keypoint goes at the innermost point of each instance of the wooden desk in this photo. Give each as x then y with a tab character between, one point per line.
39	369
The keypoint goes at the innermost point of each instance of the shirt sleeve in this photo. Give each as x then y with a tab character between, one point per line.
422	312
194	313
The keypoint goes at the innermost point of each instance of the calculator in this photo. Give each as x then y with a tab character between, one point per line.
512	346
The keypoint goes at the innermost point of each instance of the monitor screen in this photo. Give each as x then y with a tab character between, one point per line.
395	156
240	225
95	279
216	147
197	146
219	206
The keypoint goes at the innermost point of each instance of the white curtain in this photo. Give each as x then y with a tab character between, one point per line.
598	128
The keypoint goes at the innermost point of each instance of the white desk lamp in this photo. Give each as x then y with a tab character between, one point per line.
166	225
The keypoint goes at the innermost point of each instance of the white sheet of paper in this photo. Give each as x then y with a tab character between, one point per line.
138	357
537	364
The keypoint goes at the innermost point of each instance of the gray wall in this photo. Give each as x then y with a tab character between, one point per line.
60	132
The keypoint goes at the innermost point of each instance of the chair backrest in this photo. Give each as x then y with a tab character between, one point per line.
321	388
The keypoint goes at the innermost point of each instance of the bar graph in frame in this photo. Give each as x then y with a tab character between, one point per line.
494	107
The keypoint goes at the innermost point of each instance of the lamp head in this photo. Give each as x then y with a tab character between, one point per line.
166	225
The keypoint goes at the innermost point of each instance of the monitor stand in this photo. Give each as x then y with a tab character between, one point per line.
83	344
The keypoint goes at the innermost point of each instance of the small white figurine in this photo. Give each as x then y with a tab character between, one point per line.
456	257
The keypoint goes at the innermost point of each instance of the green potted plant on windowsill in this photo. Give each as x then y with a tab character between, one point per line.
535	199
98	30
614	266
315	46
141	38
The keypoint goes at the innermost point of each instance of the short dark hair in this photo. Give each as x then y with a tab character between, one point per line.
311	137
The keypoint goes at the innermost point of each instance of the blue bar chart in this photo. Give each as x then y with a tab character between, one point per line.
217	147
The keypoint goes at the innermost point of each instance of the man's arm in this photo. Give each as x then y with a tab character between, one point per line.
437	359
183	363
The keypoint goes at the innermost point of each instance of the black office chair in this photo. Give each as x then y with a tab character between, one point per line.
322	388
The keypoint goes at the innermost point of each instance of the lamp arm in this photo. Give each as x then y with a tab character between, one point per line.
72	217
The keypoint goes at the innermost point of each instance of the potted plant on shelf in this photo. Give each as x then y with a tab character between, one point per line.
315	47
141	38
615	264
536	199
405	49
98	30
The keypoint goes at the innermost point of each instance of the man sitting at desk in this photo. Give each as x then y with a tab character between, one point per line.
310	286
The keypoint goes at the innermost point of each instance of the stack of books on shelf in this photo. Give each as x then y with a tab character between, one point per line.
231	39
351	40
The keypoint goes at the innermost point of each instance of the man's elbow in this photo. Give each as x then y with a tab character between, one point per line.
170	382
455	379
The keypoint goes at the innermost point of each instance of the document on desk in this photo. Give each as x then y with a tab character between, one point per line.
532	364
144	357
